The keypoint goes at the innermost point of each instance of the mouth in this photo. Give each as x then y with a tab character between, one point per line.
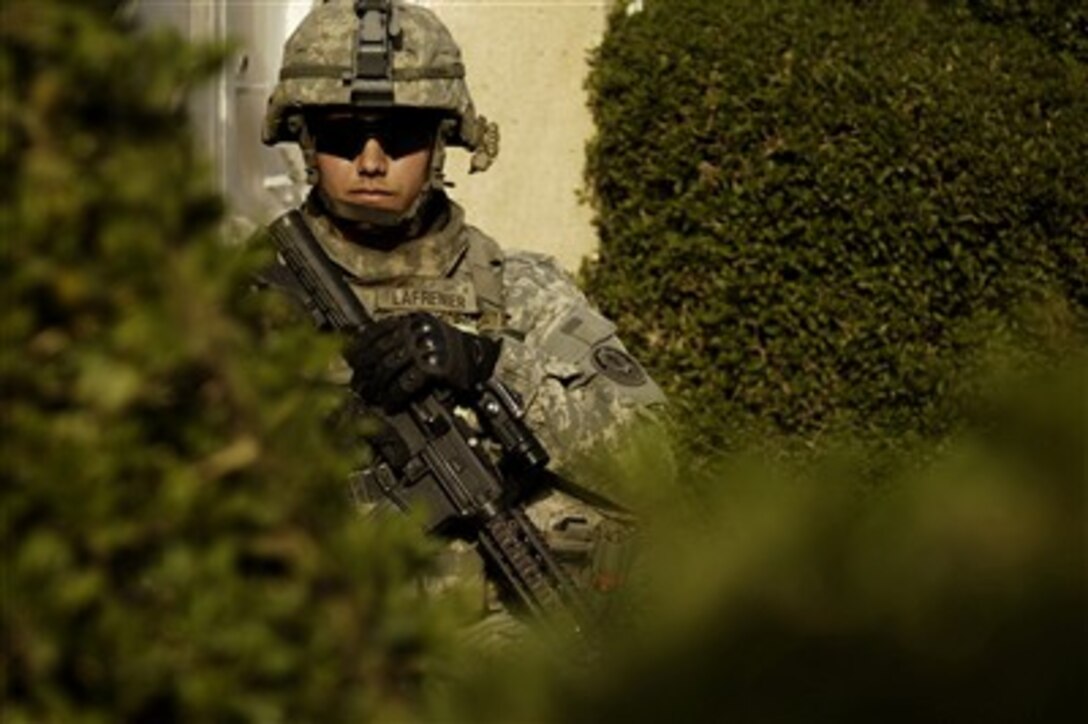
370	193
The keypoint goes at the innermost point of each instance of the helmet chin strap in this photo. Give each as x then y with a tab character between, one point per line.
381	223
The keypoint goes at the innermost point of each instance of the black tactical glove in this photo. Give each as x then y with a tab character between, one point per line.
401	358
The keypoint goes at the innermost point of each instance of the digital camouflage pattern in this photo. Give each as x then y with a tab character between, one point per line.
579	385
581	389
435	255
428	73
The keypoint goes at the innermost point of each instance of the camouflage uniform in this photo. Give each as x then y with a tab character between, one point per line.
578	384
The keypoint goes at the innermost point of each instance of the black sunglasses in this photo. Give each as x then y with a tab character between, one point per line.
399	134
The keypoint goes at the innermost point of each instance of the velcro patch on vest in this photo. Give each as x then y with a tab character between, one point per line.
437	295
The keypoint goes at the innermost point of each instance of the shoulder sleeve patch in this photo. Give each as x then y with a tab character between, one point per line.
576	333
619	366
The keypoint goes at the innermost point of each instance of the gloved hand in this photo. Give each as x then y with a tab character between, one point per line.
401	358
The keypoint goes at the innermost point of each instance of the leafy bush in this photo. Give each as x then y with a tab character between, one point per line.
1062	24
812	212
177	540
176	543
955	595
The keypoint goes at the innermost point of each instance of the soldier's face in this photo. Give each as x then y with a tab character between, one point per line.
381	160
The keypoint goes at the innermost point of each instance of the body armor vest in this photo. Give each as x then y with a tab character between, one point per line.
452	271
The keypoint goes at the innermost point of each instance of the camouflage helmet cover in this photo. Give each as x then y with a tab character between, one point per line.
427	73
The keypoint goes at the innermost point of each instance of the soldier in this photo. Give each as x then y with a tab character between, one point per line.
374	93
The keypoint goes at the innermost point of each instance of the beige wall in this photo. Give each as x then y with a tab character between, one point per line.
526	62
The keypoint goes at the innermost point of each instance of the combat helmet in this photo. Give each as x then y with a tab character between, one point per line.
376	55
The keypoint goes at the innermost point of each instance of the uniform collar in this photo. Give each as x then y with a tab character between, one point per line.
435	254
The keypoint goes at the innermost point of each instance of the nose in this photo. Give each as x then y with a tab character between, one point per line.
372	160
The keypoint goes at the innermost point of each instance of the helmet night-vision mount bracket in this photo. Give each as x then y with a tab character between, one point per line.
379	34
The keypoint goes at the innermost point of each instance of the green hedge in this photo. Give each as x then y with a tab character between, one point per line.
955	595
1062	24
175	539
177	542
812	212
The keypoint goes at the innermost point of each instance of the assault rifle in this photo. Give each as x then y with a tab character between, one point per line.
442	469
